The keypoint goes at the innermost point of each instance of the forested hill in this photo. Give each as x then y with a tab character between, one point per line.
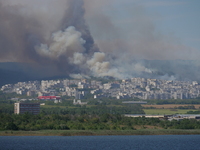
12	72
10	77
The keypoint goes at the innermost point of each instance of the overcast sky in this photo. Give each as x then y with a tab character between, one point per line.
179	17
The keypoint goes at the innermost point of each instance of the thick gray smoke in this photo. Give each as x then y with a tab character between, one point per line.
46	33
61	37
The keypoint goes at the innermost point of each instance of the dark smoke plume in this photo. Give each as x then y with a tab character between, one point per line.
74	16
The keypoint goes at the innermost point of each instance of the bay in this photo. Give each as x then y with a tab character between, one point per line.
150	142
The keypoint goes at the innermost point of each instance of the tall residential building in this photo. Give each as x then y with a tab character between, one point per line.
20	108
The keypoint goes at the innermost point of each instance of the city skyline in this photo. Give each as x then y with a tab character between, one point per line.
139	88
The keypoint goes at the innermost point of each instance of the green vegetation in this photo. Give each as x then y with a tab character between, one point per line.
174	101
29	122
99	132
93	110
166	111
193	112
99	117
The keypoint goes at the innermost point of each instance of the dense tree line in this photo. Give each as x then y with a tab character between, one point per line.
95	110
88	122
6	105
179	107
193	112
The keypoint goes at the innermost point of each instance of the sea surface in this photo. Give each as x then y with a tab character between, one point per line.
152	142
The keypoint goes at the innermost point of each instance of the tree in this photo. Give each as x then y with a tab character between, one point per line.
11	126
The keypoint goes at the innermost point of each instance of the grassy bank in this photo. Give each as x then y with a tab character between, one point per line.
166	111
99	132
170	106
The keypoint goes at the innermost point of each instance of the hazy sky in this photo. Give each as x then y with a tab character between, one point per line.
175	22
178	17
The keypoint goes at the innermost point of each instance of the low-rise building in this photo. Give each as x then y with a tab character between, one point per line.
78	102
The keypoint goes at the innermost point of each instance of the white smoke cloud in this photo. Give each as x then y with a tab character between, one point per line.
167	77
79	76
97	58
100	67
140	68
78	59
70	44
63	43
97	64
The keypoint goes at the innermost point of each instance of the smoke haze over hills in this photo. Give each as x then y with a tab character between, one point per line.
87	38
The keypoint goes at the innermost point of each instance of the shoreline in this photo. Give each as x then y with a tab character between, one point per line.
100	132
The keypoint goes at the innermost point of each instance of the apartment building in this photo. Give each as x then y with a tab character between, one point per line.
20	108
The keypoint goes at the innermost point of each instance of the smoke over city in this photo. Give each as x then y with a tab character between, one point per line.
77	38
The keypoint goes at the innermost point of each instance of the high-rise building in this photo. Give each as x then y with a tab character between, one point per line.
20	108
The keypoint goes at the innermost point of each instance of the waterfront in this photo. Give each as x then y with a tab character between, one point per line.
101	132
140	142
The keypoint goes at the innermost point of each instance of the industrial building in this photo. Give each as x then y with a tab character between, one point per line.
20	108
167	117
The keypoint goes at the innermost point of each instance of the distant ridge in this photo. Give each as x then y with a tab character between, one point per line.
13	72
182	70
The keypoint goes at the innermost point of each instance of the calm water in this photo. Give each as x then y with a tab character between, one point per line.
156	142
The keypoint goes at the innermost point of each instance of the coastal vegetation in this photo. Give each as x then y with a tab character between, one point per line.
42	121
99	132
98	117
